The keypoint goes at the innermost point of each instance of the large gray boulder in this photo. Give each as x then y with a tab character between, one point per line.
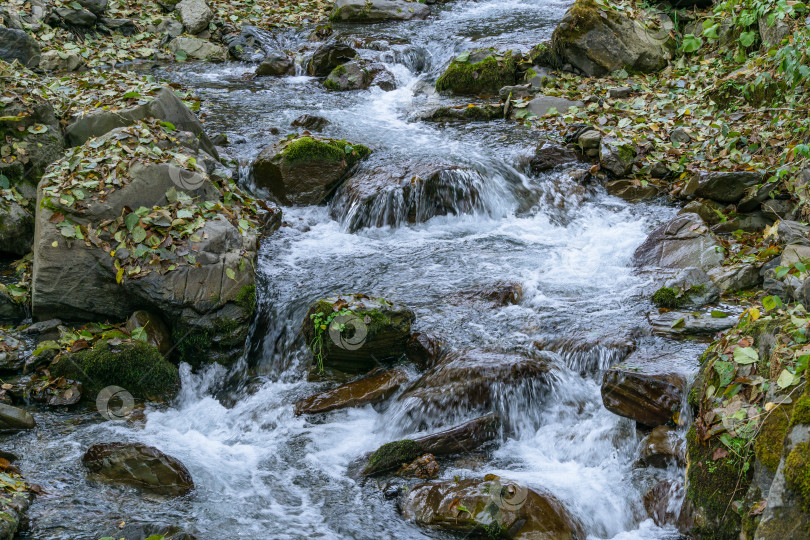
16	228
195	15
72	17
166	106
17	45
14	419
198	49
329	56
60	61
722	186
680	243
599	41
542	105
200	280
371	11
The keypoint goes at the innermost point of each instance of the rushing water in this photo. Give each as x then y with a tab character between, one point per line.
262	472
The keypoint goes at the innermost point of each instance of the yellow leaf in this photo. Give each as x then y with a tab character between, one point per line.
119	276
55	244
770	406
771	230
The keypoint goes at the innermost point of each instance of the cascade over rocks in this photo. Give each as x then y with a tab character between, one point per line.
394	194
473	378
374	331
481	71
599	41
196	272
139	465
637	390
306	170
662	447
476	506
682	242
372	11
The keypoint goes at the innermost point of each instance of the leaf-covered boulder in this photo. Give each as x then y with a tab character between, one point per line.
356	333
135	218
721	186
616	156
493	507
372	11
192	48
481	71
306	170
158	102
599	40
139	465
30	135
414	191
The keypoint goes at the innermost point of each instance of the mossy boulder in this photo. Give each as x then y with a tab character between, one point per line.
599	41
306	170
482	71
356	333
349	76
391	456
137	367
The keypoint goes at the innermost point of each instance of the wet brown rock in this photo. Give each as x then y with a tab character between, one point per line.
157	333
423	350
549	155
139	465
460	439
659	499
368	390
662	447
12	418
650	398
424	467
631	192
488	506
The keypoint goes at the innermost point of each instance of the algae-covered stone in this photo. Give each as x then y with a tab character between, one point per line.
137	367
616	156
355	333
599	41
349	76
482	71
139	465
392	456
492	508
306	170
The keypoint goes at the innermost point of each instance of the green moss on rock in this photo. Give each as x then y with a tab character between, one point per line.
219	342
711	486
797	473
484	76
667	297
391	456
137	367
801	411
246	299
771	437
310	149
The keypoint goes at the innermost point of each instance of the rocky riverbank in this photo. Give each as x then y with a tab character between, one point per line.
136	244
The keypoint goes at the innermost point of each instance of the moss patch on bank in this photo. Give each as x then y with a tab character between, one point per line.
137	367
305	148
